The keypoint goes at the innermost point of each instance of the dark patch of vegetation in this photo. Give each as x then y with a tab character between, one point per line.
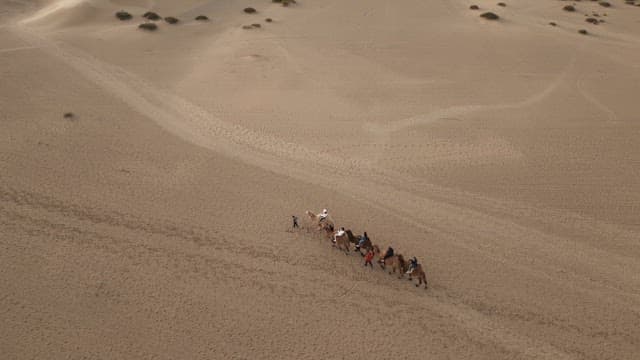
490	16
250	10
247	27
151	16
68	115
474	7
202	18
592	20
583	31
502	4
256	25
268	20
171	20
605	4
148	26
569	8
552	23
123	15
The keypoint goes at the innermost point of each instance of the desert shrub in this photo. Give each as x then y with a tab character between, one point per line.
583	31
277	1
171	20
250	10
123	15
68	115
256	25
569	8
151	16
148	26
604	3
502	4
474	7
592	20
490	16
202	18
552	23
247	27
268	20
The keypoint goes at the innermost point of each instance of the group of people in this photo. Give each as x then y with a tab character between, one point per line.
368	257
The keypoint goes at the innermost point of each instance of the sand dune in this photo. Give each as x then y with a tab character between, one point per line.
153	222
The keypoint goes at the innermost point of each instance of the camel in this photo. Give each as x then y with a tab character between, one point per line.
342	243
418	272
317	220
355	239
396	262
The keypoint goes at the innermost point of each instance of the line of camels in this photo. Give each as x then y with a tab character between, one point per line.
396	263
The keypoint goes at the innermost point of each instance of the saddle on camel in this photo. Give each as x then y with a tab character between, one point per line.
396	262
341	240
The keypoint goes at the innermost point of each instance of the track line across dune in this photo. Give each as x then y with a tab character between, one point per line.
460	110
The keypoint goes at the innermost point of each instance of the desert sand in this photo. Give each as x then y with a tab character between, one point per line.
152	221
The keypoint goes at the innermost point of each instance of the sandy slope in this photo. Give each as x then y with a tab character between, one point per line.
151	225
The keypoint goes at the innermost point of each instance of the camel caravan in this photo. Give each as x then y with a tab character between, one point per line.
343	239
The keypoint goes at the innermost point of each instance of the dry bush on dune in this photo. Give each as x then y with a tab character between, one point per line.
604	3
148	26
592	20
68	115
268	20
202	18
583	31
256	25
569	8
474	7
247	27
502	4
171	20
490	16
123	15
250	10
552	23
151	16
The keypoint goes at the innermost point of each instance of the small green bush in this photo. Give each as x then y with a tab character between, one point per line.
123	15
151	16
490	16
148	26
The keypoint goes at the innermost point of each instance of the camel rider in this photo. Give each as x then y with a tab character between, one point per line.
363	239
339	233
388	254
323	215
413	263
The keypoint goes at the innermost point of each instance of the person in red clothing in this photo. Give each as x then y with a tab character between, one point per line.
368	258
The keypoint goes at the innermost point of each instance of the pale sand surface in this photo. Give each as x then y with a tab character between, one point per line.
151	225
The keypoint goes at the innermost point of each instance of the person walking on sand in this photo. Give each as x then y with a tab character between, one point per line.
368	258
295	222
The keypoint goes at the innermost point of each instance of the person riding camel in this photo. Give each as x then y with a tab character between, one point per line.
413	263
363	239
339	233
387	254
323	215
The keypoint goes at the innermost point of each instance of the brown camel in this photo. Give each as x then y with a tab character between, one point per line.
342	242
318	221
395	262
353	239
419	273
